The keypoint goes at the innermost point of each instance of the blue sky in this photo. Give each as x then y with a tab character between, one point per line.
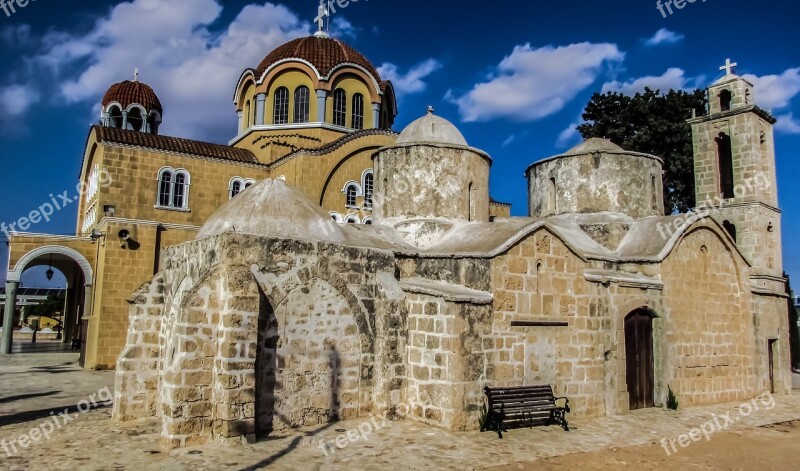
514	76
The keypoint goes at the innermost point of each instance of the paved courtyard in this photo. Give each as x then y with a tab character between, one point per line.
33	385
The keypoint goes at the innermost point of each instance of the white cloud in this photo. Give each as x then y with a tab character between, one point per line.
193	70
411	81
774	92
509	140
15	100
673	79
664	36
787	124
341	27
569	136
532	83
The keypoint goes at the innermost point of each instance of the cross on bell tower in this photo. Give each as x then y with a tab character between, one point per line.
729	67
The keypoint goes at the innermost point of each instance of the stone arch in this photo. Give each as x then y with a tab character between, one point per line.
339	164
309	358
85	266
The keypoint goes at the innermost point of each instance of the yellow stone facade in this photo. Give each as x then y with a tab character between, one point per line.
122	171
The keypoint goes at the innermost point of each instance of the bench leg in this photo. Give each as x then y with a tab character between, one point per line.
499	425
559	416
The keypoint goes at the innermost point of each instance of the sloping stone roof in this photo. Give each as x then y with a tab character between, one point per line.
129	92
323	53
172	144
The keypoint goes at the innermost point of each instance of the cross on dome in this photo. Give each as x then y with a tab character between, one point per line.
322	14
728	67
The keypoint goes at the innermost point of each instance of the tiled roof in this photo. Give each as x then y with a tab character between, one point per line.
323	53
173	144
127	93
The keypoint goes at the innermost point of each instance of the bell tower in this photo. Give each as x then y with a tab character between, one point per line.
735	177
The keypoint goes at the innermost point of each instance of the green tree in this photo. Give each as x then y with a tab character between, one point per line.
653	123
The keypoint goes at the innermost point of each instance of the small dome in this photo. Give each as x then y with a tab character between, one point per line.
594	144
432	128
129	92
324	53
272	208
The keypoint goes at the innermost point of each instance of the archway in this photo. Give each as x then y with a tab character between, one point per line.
79	276
308	360
639	365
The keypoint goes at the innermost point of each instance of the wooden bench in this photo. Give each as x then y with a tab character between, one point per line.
523	406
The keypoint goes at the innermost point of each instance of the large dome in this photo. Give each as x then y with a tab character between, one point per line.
324	53
129	92
432	128
271	208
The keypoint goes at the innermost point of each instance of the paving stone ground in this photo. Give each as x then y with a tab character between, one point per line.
92	441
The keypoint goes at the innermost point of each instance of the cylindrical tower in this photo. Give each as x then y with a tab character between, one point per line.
431	173
594	177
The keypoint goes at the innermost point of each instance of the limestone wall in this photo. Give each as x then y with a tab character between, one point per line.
432	181
540	279
259	334
709	345
627	183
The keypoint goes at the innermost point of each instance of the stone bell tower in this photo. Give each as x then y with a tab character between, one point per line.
735	178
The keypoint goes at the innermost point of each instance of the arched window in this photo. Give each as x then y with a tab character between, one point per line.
301	104
551	196
238	185
115	117
369	189
351	219
154	121
236	188
725	161
653	192
173	188
351	195
358	111
281	114
340	107
136	119
165	188
179	190
247	122
725	100
731	228
367	221
469	202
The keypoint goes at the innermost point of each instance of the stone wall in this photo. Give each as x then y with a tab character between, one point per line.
226	299
432	181
709	345
620	182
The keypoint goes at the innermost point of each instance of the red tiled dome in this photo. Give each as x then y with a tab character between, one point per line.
127	93
323	53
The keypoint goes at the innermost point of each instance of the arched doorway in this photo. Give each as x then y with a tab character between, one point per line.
308	360
79	277
639	368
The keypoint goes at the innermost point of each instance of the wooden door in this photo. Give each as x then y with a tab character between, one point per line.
639	359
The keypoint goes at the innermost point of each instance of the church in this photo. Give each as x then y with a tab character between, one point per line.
323	267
